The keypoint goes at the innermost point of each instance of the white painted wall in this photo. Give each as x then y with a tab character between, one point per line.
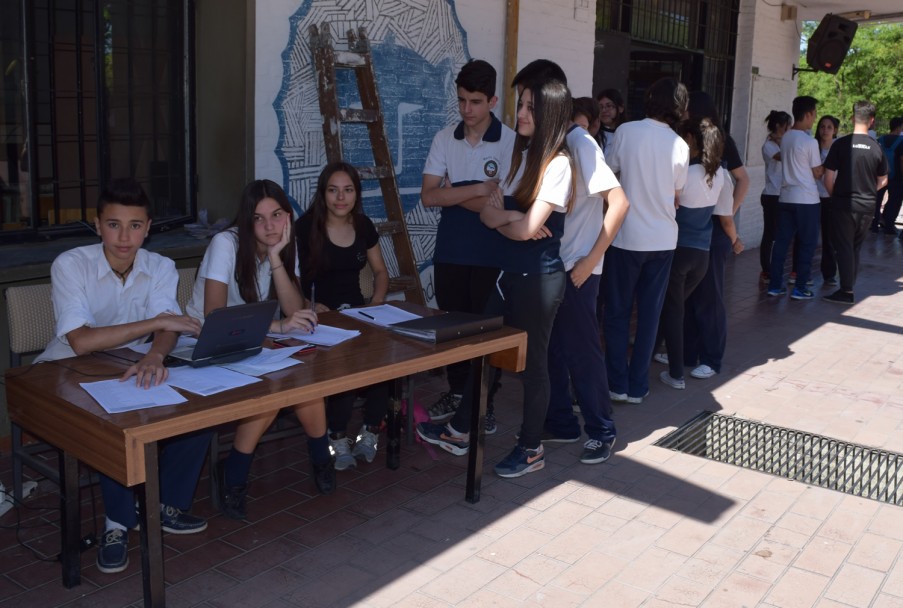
771	47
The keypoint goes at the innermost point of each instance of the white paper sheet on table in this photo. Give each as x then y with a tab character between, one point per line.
268	360
382	315
324	335
115	396
206	381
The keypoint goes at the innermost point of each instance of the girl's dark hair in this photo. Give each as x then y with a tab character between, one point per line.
552	108
616	98
587	107
246	256
313	260
833	120
709	141
666	101
701	105
777	118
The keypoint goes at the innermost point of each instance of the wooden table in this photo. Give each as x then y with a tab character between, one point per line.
47	401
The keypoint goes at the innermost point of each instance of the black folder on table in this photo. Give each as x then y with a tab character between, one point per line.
448	326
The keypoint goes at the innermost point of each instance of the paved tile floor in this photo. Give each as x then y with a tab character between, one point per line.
649	528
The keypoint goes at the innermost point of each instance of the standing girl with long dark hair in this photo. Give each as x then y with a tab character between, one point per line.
252	261
538	192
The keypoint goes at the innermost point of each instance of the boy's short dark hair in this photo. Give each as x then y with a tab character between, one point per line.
539	70
802	105
123	191
666	100
587	107
863	111
477	76
896	122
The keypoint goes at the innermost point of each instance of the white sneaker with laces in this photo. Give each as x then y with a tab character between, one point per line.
677	383
661	358
341	450
703	372
365	445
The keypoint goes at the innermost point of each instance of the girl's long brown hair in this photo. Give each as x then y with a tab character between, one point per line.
552	108
313	260
246	262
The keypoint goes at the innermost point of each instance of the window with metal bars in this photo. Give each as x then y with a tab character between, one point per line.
691	40
92	90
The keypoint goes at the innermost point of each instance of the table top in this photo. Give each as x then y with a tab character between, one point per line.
46	399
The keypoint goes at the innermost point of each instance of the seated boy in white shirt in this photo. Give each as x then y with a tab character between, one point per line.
115	294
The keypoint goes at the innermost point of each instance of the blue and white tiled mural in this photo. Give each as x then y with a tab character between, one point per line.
418	47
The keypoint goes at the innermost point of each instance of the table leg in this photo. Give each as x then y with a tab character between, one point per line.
70	551
408	396
393	430
479	368
151	531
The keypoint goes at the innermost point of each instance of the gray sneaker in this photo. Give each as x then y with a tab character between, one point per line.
340	448
445	407
365	445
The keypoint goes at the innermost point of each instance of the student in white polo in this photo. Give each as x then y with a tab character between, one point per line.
465	165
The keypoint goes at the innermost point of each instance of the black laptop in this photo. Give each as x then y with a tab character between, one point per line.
229	334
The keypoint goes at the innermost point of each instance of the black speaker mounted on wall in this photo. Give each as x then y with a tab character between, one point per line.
830	43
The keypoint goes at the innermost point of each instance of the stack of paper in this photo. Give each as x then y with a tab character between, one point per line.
324	335
383	315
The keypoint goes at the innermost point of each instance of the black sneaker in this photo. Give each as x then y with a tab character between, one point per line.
595	451
548	437
840	297
113	553
445	407
232	499
177	521
324	477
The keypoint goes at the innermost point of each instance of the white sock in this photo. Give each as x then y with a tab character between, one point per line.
112	525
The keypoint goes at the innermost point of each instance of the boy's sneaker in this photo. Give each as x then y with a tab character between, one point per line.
831	281
764	277
113	553
703	372
840	297
324	476
660	358
780	291
445	407
521	461
340	448
637	400
177	521
365	445
490	426
232	499
596	451
617	397
801	294
445	437
791	280
678	383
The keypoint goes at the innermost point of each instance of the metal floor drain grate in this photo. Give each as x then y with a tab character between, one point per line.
820	461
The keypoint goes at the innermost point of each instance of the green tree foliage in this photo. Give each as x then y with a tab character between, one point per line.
872	70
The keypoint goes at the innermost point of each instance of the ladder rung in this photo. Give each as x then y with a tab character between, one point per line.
402	283
358	115
373	172
389	228
349	59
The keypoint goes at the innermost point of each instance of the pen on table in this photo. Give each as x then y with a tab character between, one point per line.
371	317
313	303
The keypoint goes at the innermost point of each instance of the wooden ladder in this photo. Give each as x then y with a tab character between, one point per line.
358	58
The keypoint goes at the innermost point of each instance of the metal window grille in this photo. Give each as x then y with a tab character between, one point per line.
813	459
93	89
